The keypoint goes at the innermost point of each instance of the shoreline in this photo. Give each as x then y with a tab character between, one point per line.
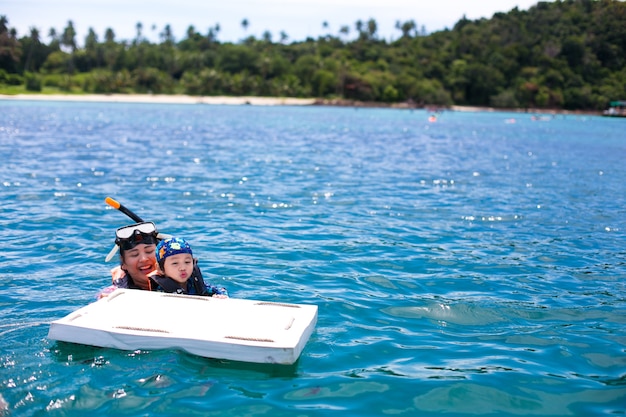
162	99
529	110
272	101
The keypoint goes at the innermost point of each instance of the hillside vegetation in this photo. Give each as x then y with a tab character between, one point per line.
567	54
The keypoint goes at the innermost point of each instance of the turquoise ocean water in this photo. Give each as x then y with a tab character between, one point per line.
471	266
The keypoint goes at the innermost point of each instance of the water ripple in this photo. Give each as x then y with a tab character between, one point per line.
464	267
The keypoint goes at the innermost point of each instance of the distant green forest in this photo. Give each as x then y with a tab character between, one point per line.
567	54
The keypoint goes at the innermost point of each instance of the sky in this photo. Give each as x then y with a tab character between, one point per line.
299	19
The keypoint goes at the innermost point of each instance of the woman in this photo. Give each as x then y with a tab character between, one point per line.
137	245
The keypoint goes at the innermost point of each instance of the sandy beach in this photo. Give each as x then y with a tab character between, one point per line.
163	99
263	101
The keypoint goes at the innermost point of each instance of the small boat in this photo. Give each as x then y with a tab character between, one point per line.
616	109
234	329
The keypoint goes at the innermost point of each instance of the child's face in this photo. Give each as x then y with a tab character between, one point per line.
179	267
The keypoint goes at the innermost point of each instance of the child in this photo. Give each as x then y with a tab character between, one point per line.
179	271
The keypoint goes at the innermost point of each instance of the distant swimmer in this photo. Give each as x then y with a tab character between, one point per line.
432	119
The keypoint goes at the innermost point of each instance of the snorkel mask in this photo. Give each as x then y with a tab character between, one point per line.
128	237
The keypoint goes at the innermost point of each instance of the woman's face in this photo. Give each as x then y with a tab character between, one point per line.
139	262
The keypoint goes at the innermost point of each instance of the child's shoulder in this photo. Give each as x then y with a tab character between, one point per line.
164	283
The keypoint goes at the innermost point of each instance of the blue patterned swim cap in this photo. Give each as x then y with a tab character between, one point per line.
171	246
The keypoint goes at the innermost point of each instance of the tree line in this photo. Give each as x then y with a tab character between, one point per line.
565	54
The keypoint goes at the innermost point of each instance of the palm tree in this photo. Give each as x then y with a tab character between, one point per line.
110	53
345	31
166	35
34	43
283	36
212	33
407	28
91	41
91	47
211	36
359	28
191	31
54	39
139	28
3	24
10	52
68	38
245	24
109	35
372	27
